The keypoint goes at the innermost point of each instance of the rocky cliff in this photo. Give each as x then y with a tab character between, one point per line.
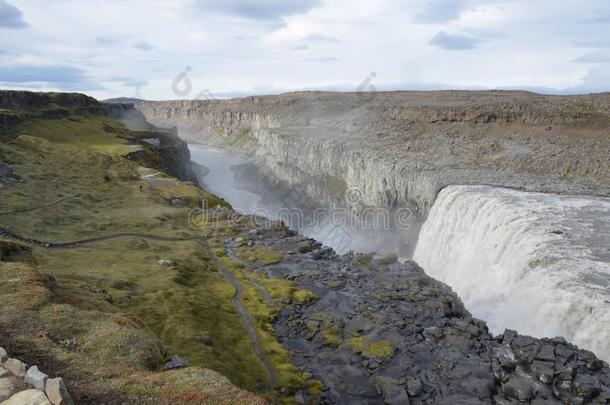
161	149
401	148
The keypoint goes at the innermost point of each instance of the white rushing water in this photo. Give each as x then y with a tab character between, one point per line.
538	263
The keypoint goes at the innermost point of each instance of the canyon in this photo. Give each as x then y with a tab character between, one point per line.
401	148
523	181
122	262
396	151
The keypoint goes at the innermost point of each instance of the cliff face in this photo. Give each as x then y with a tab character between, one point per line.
401	148
55	105
170	153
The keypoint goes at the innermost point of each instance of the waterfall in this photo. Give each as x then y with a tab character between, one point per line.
538	263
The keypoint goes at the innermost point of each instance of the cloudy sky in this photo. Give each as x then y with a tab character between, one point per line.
167	49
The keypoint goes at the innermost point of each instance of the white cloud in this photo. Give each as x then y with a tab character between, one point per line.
454	42
245	46
11	16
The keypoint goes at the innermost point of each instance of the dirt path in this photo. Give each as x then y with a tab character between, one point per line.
245	314
229	275
74	244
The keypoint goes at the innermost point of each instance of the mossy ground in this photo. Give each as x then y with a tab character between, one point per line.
78	185
188	307
264	311
259	255
371	348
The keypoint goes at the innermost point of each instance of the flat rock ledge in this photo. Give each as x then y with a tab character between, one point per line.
21	384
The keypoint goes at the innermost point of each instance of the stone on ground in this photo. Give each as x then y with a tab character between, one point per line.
394	393
36	378
27	397
8	386
57	392
175	363
17	367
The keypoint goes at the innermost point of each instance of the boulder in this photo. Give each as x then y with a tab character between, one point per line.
546	353
393	392
544	371
175	363
57	392
8	386
28	397
166	262
178	202
17	367
518	388
3	372
36	378
414	386
586	386
3	355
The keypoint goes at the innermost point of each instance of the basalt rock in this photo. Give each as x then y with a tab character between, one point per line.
381	333
399	149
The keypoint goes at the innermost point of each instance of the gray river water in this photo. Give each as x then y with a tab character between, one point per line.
238	179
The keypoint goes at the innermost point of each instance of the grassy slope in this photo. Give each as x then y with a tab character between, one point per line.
188	306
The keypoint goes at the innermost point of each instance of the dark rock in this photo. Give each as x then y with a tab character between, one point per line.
586	386
546	353
174	363
527	353
562	385
414	386
178	202
393	392
544	371
449	356
518	388
479	386
595	365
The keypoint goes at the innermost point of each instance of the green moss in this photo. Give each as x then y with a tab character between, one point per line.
365	259
100	194
96	132
333	336
304	295
279	288
380	348
289	378
372	349
259	255
332	329
357	344
189	307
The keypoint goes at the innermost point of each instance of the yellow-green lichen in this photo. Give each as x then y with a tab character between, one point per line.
371	349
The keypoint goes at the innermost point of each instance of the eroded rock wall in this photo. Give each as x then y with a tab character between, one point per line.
401	148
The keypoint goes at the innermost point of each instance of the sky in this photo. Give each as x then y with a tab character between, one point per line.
188	49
